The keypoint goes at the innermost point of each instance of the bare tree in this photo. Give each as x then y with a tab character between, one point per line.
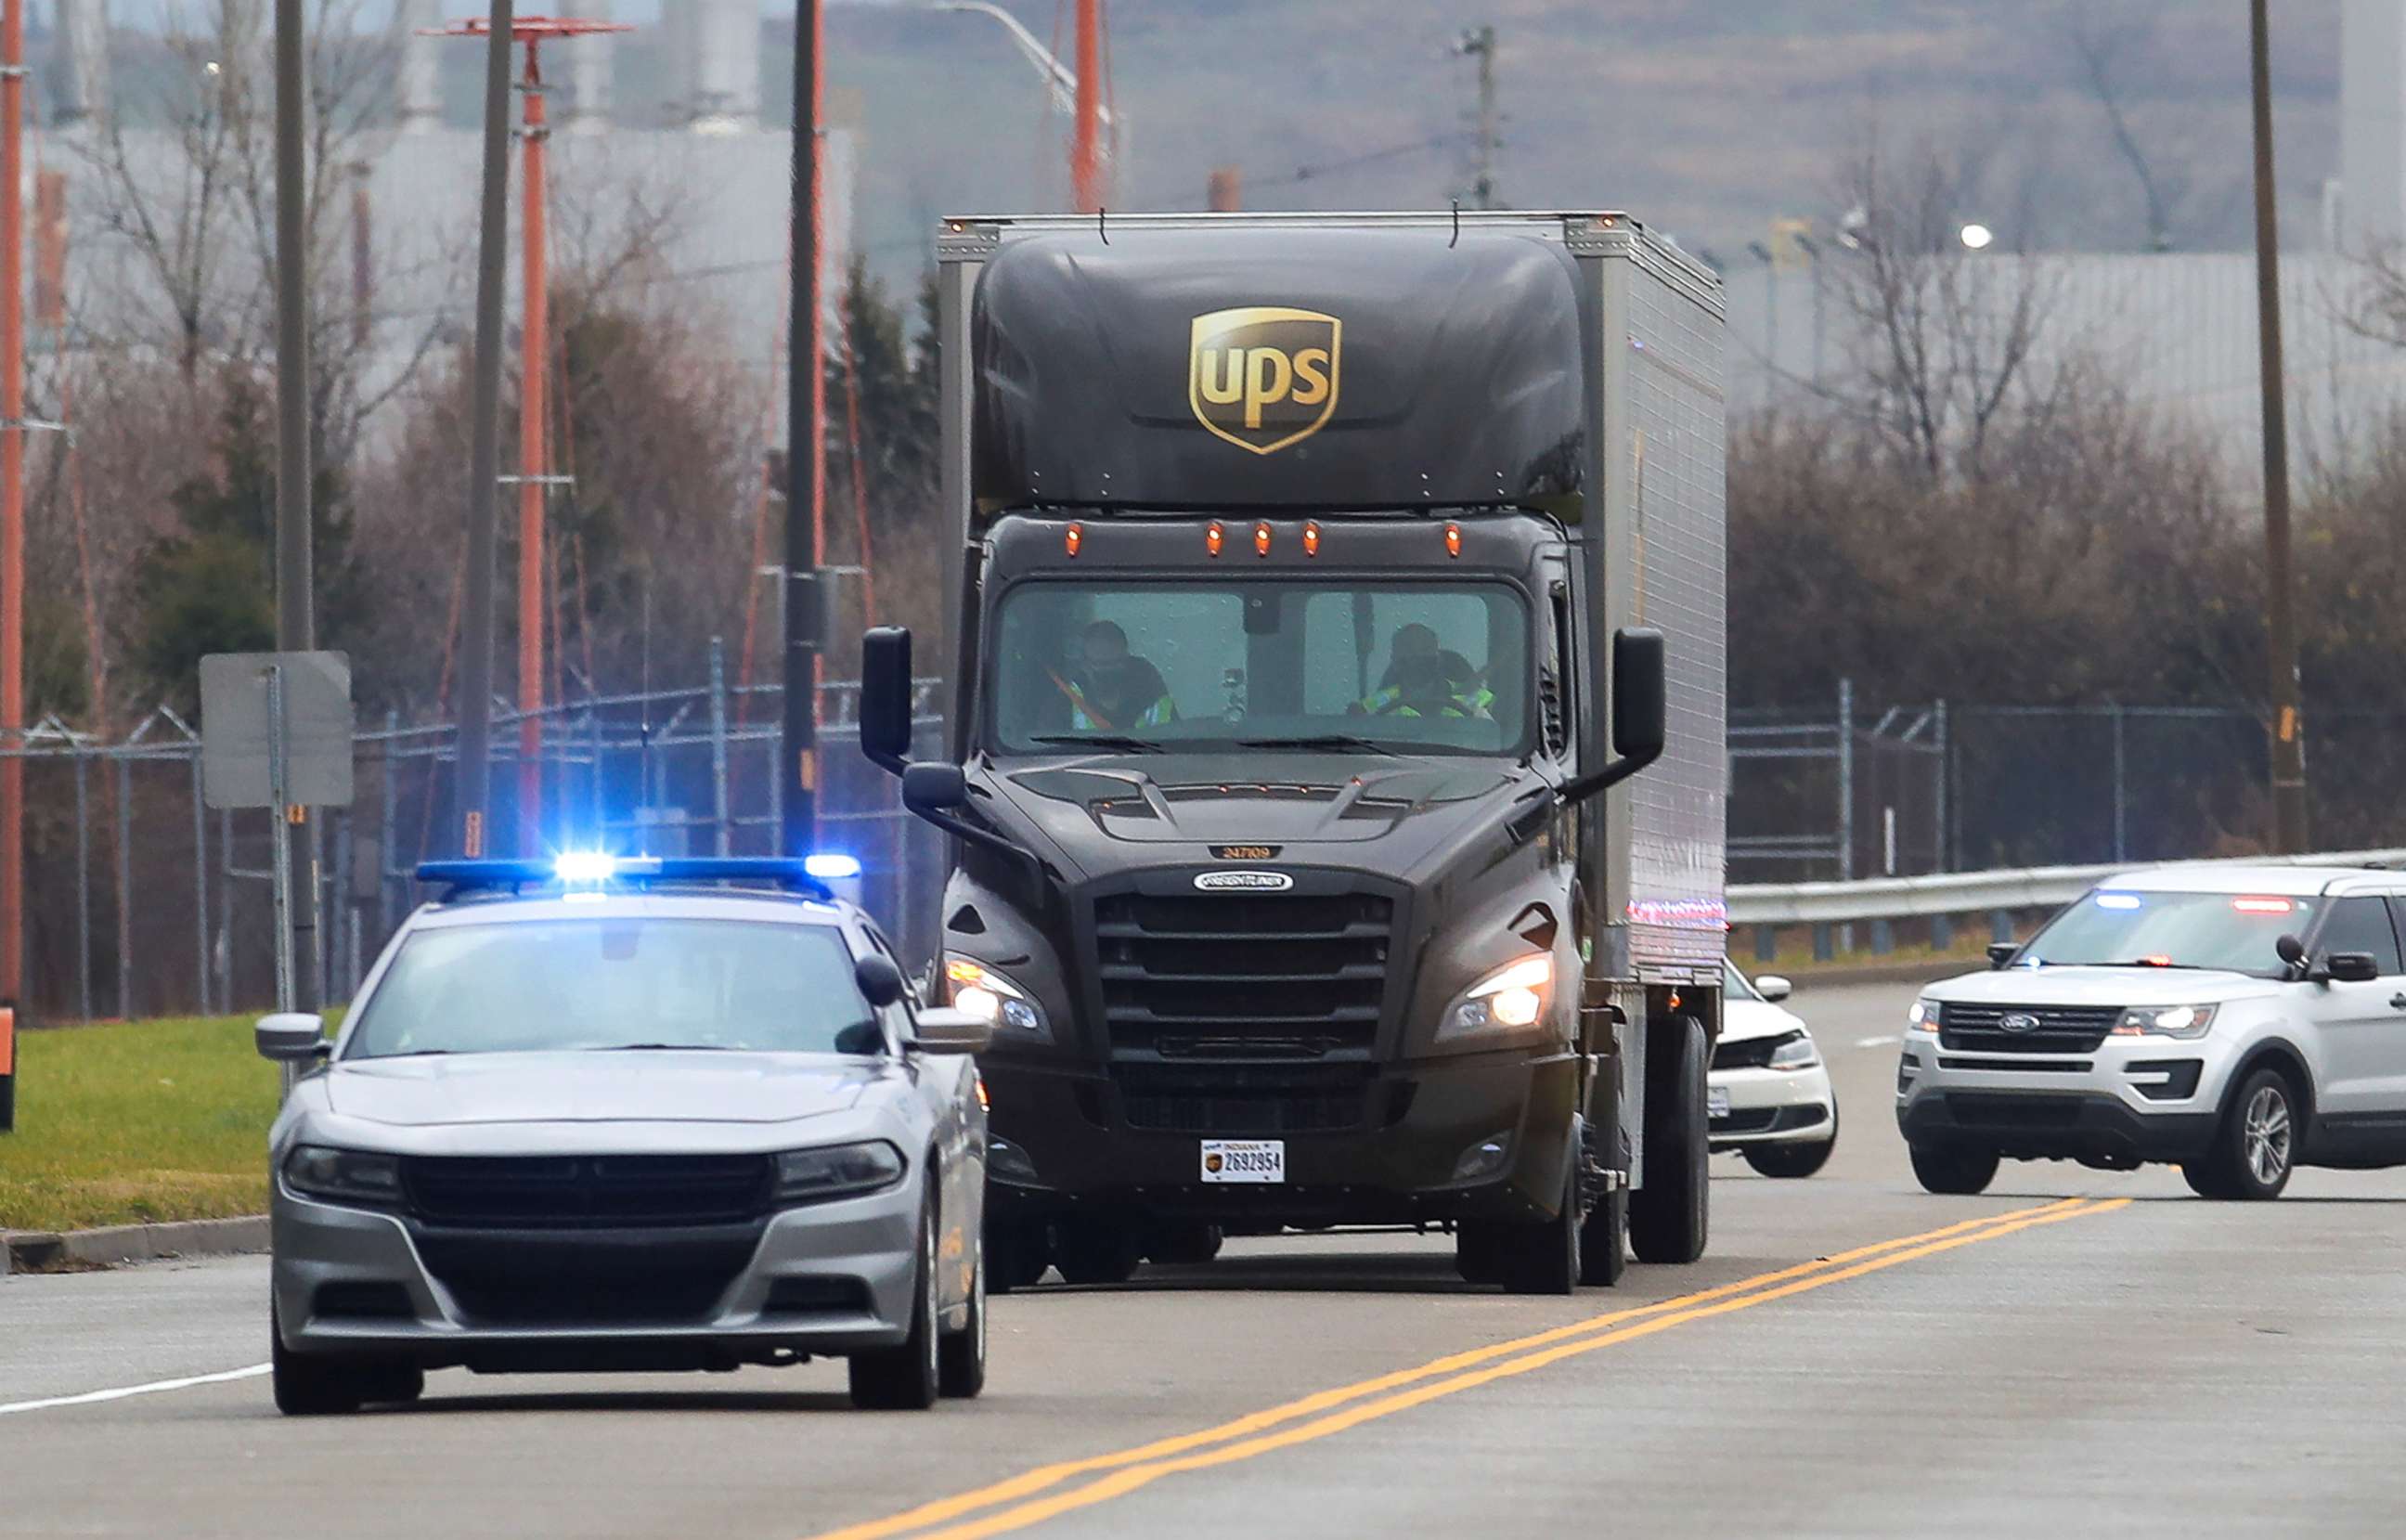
1944	337
2101	49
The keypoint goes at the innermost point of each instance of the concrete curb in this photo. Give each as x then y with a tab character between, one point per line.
45	1252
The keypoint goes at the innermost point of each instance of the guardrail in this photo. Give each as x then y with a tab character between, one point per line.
1879	901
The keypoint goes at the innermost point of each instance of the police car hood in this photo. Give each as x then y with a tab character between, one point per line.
2079	985
1264	799
648	1086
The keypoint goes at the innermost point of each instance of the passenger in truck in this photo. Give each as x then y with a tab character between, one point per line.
1113	690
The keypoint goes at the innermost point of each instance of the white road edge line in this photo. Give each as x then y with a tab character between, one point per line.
91	1397
1879	1042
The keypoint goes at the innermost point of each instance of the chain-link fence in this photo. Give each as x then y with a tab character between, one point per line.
1846	791
141	900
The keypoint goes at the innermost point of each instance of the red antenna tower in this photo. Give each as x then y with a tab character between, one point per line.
534	478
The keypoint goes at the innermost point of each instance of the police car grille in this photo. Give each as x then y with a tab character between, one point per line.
2061	1028
1224	968
587	1192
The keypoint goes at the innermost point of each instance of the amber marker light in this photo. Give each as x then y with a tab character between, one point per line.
1073	537
1311	539
1261	540
1453	540
1214	537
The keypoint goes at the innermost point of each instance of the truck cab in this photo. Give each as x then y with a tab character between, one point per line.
1293	717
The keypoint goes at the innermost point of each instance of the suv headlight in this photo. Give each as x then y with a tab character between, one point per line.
1512	996
2166	1021
1923	1017
343	1175
990	995
837	1171
1796	1053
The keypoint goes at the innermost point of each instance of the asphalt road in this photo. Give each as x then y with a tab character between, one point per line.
2074	1352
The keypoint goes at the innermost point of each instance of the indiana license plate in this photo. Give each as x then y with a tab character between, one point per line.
1717	1102
1244	1160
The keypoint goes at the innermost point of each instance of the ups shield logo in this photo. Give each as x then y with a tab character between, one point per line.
1264	376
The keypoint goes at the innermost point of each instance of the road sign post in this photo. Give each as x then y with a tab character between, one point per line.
276	733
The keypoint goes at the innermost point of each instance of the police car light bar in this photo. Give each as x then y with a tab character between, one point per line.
596	868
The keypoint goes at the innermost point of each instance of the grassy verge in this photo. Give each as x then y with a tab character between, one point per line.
134	1122
1793	953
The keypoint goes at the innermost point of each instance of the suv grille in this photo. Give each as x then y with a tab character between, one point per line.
587	1192
1298	976
1240	1099
2058	1030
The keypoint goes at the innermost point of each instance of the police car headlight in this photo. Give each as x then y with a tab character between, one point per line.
838	1171
343	1175
991	996
2166	1021
1795	1052
1509	998
1923	1017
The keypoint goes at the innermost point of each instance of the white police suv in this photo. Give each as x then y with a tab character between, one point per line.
642	1114
2238	1021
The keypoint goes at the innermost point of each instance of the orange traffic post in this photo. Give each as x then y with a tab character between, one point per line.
12	497
7	1067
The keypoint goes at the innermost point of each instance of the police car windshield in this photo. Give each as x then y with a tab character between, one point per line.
2231	931
518	986
1189	667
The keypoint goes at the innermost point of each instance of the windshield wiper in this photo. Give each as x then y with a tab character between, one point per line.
662	1047
1321	741
1100	741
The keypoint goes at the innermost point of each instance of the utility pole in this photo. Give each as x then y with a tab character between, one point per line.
296	622
471	776
1085	142
12	498
534	355
1480	44
806	454
2280	619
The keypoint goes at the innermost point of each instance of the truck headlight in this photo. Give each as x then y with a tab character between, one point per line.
2165	1021
343	1175
1795	1052
1511	997
837	1171
991	996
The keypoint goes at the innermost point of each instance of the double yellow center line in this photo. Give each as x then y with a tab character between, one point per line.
1039	1494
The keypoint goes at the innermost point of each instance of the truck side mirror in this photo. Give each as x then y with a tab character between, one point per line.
934	786
1640	708
886	696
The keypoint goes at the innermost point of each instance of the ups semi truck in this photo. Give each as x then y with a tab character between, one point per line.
1336	764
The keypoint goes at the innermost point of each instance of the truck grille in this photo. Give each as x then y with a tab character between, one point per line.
1240	1099
1300	976
585	1191
2059	1029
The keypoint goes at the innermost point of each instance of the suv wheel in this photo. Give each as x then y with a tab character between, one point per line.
1944	1169
2256	1149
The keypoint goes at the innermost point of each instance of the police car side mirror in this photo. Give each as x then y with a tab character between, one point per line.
291	1037
2351	967
886	696
934	787
879	981
941	1029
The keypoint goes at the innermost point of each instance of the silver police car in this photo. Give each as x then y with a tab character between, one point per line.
629	1115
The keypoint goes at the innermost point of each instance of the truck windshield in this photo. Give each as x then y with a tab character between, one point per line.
1189	667
529	986
2234	931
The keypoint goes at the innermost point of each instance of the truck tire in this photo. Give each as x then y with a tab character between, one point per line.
1543	1257
1603	1241
1670	1216
1097	1250
1946	1168
1181	1243
1018	1253
1476	1247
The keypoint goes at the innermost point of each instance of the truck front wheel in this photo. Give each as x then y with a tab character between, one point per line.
1544	1258
1669	1215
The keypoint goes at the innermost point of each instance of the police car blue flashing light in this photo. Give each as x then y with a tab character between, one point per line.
831	866
588	871
584	865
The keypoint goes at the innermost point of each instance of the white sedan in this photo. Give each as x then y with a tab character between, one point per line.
1769	1095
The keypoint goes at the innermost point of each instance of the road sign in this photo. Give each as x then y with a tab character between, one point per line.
241	694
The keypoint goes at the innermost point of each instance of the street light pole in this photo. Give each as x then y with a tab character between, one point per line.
2280	619
296	626
806	455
